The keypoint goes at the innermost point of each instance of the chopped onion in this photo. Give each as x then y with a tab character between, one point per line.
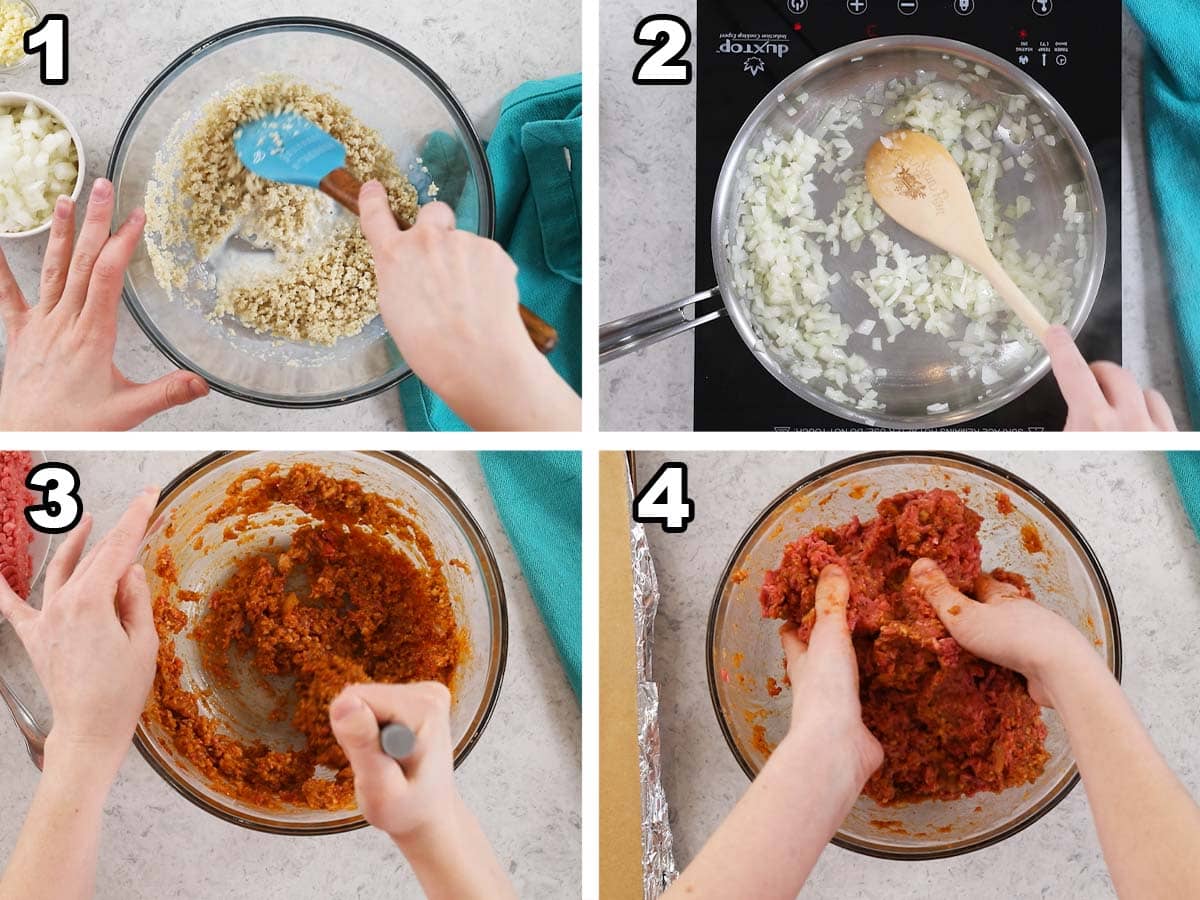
38	163
779	245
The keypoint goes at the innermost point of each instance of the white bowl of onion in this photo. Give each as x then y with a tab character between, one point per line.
41	159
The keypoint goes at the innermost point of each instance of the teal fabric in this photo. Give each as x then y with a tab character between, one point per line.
1172	112
535	153
1186	468
538	496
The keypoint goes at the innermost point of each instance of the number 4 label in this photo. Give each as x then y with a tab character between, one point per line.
664	501
670	37
61	508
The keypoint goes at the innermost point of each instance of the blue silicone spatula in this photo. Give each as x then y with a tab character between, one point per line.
288	148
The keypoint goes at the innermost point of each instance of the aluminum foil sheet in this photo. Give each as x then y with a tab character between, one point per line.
658	856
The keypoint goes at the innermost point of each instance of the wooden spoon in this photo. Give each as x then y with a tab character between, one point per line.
916	181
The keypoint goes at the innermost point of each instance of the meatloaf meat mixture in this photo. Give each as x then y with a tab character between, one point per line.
16	565
342	604
951	724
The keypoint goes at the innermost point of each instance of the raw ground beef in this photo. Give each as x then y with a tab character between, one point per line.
951	724
15	534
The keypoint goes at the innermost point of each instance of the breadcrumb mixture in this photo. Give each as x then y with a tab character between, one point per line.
202	195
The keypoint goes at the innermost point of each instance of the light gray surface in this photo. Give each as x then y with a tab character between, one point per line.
522	780
481	50
1116	500
647	228
647	220
1148	338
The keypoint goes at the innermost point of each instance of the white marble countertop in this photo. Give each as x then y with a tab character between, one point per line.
482	51
522	780
648	199
1114	499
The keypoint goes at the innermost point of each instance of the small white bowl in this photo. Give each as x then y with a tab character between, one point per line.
12	98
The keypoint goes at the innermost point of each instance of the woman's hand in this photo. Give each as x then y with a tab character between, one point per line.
403	802
59	373
1003	627
416	802
93	643
1103	396
810	782
824	676
449	299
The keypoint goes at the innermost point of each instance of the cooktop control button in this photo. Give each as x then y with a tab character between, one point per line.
1043	7
964	7
796	7
906	7
856	7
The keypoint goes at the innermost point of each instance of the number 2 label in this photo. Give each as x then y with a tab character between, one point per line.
670	37
61	508
664	500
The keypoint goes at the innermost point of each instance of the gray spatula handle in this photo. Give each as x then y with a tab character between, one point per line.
397	741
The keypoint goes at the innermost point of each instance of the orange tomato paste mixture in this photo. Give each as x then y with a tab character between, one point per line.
951	724
340	605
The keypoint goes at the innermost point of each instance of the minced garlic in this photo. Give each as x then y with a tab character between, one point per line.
15	20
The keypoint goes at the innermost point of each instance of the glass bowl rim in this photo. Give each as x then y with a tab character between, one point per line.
226	37
1106	596
168	775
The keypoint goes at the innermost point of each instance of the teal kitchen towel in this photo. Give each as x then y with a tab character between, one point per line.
535	154
1186	468
1172	77
538	496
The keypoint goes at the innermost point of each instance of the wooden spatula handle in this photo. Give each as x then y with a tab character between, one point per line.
1015	298
344	188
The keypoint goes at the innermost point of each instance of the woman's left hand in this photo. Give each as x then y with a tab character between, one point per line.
59	373
93	643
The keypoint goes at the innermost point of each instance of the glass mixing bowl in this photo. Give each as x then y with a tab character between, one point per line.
476	589
390	90
743	648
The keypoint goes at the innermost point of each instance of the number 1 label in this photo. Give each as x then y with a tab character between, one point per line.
49	41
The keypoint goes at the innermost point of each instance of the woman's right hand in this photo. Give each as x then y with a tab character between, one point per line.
449	300
405	802
1103	396
1003	627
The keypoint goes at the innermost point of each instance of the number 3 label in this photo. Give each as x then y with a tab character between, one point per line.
664	501
670	37
60	509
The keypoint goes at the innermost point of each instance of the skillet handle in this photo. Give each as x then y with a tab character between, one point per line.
632	333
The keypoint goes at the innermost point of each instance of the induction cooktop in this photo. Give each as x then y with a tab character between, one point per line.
746	47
